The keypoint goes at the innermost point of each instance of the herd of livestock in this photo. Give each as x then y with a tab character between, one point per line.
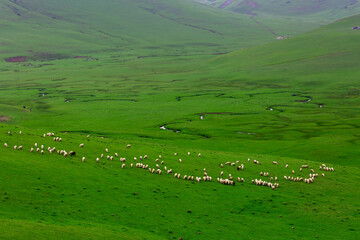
160	167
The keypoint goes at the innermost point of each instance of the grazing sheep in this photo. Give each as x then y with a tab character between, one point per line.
156	160
97	160
175	154
180	160
128	146
15	147
83	159
20	148
159	156
38	149
131	165
293	172
81	145
162	162
106	150
123	165
287	165
42	146
241	167
42	152
116	155
35	144
221	165
135	158
102	155
31	149
20	132
188	153
199	155
72	153
5	144
275	163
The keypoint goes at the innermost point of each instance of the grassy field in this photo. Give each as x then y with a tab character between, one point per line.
294	101
308	10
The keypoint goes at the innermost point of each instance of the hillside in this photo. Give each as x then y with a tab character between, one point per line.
44	29
123	135
324	11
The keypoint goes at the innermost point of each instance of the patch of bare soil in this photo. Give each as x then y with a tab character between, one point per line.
4	118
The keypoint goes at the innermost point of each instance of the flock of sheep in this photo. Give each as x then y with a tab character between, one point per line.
162	168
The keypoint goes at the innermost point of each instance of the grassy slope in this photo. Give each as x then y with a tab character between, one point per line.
56	195
324	11
130	28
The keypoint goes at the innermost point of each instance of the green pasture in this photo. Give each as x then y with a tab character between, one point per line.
294	101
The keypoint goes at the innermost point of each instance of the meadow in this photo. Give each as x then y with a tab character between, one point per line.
294	101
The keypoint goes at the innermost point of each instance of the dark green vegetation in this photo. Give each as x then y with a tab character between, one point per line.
110	92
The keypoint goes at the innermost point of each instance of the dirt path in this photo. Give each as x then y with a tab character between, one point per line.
252	15
225	4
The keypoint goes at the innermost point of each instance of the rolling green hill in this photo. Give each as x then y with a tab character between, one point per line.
294	101
44	29
320	10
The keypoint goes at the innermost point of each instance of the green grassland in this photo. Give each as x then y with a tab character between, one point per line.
118	98
43	29
308	10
